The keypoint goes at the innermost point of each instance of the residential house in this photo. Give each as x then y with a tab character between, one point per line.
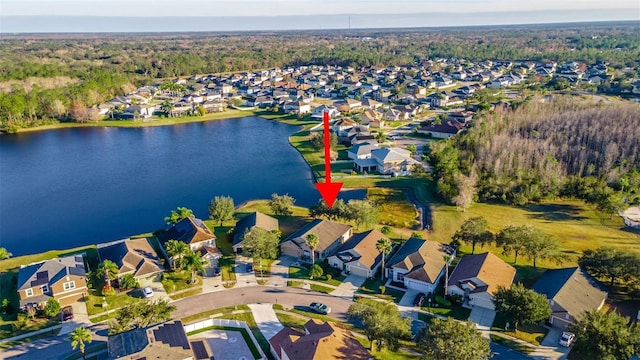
250	222
341	127
297	107
63	279
359	256
318	113
442	131
393	160
164	341
348	105
406	111
191	231
392	114
476	279
331	236
135	257
419	264
571	292
371	104
372	118
318	341
362	150
138	111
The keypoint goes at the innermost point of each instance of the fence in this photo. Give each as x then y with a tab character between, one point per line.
228	323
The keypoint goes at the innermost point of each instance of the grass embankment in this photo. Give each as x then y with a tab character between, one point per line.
393	207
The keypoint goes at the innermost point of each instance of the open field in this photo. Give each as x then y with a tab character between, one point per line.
15	262
393	207
578	226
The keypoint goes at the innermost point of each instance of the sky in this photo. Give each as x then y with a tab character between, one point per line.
319	13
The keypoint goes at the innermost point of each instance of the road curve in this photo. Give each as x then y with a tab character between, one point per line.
287	296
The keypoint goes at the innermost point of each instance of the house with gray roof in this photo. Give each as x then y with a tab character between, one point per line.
330	235
164	341
571	292
135	257
419	264
63	279
248	223
387	161
359	255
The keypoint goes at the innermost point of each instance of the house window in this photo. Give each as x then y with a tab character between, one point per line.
400	276
29	292
69	285
45	288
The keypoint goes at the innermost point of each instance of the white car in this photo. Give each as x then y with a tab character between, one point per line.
147	292
567	339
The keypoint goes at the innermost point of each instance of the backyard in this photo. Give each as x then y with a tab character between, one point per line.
393	207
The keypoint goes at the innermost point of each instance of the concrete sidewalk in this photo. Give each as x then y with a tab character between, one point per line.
266	319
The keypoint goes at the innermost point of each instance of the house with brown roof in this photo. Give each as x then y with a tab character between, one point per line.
192	231
248	223
63	279
477	278
348	105
331	236
359	255
419	264
372	118
319	341
135	257
571	292
164	341
445	130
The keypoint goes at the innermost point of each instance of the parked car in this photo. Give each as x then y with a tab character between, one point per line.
147	292
249	267
567	338
320	308
67	313
419	299
216	271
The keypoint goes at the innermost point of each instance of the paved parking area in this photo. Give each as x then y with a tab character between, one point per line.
280	271
483	318
224	344
550	348
159	293
408	297
349	286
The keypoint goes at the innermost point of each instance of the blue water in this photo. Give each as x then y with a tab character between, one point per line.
72	187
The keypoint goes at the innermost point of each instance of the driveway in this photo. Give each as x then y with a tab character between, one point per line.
159	293
280	271
349	286
266	319
408	297
483	318
244	278
80	318
549	347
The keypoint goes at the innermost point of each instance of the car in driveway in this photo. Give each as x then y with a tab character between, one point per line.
147	292
419	299
249	267
320	308
66	313
567	339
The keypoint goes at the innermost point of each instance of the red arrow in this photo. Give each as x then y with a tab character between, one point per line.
328	190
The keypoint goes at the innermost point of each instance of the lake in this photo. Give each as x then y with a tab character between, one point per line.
71	187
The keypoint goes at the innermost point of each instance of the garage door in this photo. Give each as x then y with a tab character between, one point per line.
358	271
418	286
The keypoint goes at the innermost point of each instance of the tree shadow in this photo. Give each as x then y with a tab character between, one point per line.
555	212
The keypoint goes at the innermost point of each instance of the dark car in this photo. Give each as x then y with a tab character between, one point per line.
67	313
249	267
216	271
419	299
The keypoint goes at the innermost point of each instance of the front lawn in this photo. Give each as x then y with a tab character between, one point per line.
303	273
292	321
532	334
209	313
94	303
227	266
456	312
178	280
372	287
511	344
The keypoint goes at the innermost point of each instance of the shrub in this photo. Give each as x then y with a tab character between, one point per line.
456	299
108	291
442	301
328	277
6	306
129	282
52	308
386	230
382	289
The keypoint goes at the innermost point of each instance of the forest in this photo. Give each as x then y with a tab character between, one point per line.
43	78
545	149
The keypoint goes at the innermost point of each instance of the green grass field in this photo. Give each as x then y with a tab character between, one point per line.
578	226
393	207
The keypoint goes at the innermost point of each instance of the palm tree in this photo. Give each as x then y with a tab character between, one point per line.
177	249
108	269
166	107
384	247
194	262
447	259
79	337
312	241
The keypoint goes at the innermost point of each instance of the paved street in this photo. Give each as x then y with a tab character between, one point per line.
52	348
503	353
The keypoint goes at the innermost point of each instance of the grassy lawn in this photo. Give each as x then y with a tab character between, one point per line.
578	226
248	318
456	312
10	344
372	287
227	265
532	334
187	293
209	313
94	302
293	321
15	262
178	280
320	288
90	348
245	336
393	207
303	273
511	344
384	354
